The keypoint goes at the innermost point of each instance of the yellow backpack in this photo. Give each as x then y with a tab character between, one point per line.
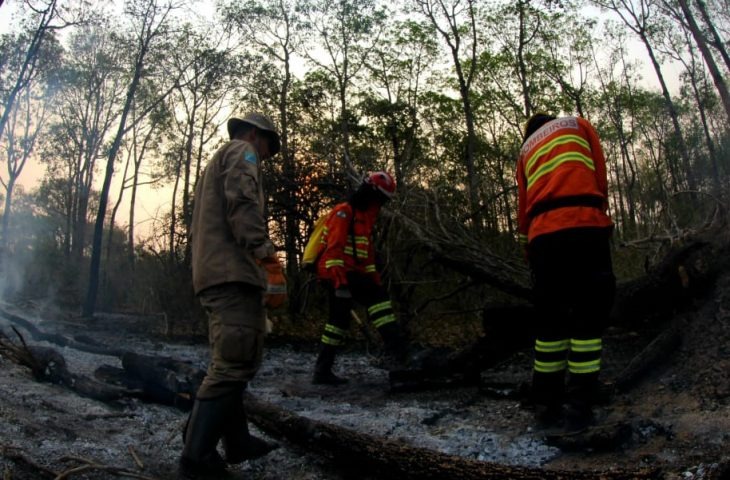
315	244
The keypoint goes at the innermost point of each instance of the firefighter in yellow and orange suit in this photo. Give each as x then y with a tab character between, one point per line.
347	266
566	230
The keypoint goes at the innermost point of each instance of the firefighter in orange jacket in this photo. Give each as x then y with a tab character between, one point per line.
564	225
347	266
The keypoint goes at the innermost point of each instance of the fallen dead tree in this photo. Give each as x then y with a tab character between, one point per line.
38	334
386	458
456	248
157	379
84	465
163	379
451	243
689	266
659	349
48	365
647	304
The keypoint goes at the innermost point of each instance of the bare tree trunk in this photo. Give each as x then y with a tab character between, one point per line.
132	205
679	137
629	182
29	64
694	80
717	42
453	38
715	73
9	189
93	287
637	21
173	206
618	201
68	220
521	67
187	214
464	91
198	165
25	125
625	192
79	235
137	162
290	219
110	235
90	303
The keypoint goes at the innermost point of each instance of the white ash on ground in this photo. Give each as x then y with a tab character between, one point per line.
682	424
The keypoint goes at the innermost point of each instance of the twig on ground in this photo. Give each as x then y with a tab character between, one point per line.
91	465
135	457
12	453
97	416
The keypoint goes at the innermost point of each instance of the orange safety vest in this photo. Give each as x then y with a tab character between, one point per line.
561	179
348	241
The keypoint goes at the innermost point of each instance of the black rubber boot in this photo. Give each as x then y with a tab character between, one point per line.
590	390
200	459
395	355
238	443
323	368
583	392
546	397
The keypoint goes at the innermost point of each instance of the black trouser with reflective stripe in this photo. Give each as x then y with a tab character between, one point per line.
574	289
366	292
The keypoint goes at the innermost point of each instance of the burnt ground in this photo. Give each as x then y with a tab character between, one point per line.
677	419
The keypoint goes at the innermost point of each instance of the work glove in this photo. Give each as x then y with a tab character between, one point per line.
339	276
276	292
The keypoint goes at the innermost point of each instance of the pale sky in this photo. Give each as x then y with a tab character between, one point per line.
152	203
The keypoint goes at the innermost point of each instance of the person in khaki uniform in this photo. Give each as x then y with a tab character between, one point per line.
232	256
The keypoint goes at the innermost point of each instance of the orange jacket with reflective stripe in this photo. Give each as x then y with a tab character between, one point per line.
560	164
348	242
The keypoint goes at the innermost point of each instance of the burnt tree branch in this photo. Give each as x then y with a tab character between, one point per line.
456	247
387	458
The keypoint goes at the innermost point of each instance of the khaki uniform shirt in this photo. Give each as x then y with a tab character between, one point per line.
228	231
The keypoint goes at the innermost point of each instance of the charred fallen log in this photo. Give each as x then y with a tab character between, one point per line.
656	352
649	303
507	329
460	250
157	379
161	380
386	458
38	334
48	365
600	438
683	275
164	379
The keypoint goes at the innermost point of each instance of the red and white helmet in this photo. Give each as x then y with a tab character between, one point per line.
381	181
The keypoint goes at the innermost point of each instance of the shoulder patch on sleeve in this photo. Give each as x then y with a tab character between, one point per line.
250	157
342	214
